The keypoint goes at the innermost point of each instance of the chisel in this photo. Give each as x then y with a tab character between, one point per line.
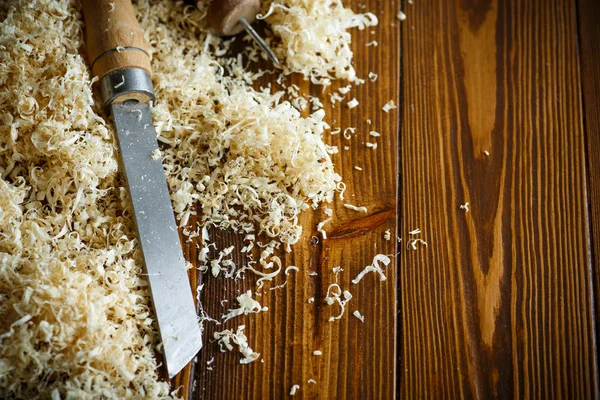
118	55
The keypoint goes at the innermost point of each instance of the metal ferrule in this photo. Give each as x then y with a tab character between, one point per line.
126	84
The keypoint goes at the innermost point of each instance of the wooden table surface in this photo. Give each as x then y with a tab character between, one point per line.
499	106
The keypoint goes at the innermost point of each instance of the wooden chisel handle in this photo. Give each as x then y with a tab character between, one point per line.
117	51
114	37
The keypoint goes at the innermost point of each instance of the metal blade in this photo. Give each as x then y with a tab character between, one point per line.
157	232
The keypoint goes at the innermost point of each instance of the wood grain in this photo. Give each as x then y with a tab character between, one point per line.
358	358
114	39
589	48
500	303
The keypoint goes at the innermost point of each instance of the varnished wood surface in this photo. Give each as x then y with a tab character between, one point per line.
589	59
500	304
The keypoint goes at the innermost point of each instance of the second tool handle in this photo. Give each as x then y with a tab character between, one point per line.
224	15
114	38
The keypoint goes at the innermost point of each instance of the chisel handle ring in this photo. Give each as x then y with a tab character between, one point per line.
114	39
126	84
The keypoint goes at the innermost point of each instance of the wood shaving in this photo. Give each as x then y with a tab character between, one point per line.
389	106
358	315
355	208
294	389
227	337
247	305
313	38
352	103
412	243
387	235
335	295
374	267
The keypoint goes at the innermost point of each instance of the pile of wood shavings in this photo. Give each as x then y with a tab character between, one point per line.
73	298
312	37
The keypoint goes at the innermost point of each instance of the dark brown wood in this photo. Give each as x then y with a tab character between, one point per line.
358	358
589	58
499	305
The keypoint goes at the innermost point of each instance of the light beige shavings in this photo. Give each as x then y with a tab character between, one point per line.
352	103
335	295
249	159
390	105
279	286
355	208
294	389
310	300
373	76
291	268
247	305
348	132
75	306
412	243
227	337
358	315
27	47
335	98
318	353
345	89
387	235
320	227
156	154
465	207
312	37
374	133
372	43
311	381
374	267
401	16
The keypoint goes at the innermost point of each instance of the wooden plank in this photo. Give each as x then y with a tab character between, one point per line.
358	358
589	48
500	303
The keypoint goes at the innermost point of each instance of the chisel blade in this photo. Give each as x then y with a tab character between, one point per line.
157	233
